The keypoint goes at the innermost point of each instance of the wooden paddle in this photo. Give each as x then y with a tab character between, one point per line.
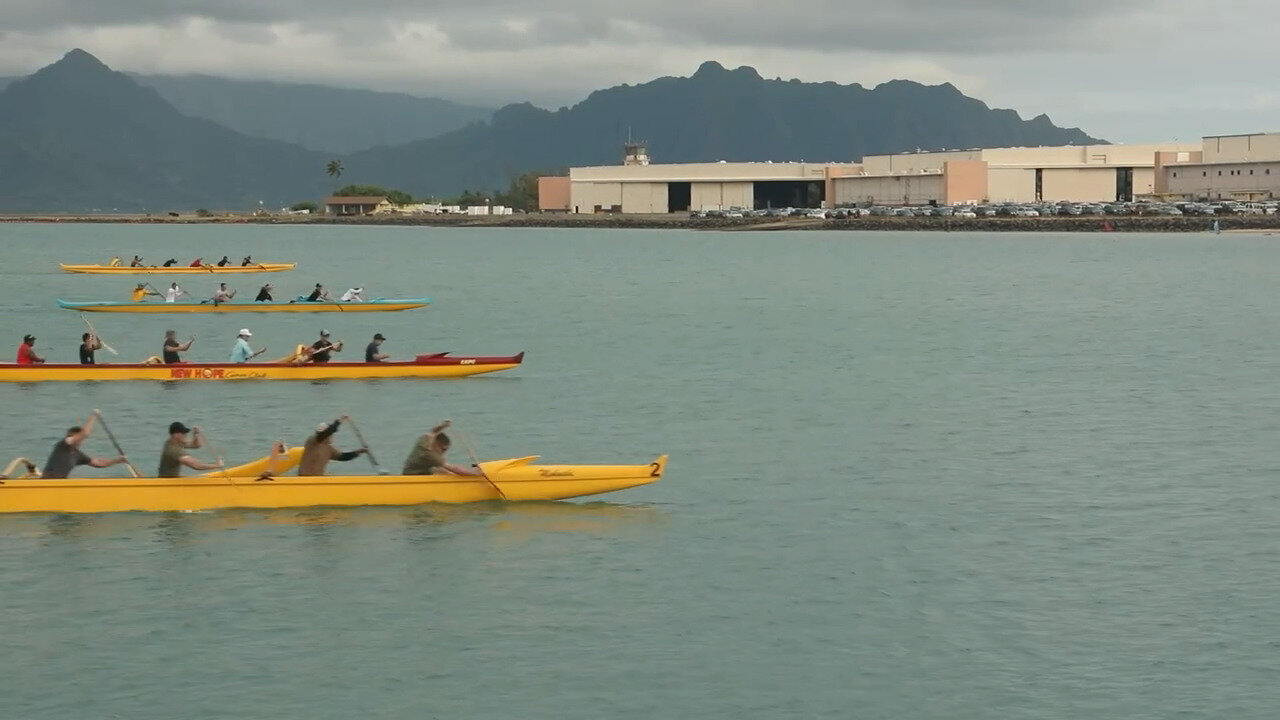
364	445
94	332
221	462
110	436
466	442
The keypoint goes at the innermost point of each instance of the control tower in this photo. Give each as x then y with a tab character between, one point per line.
635	153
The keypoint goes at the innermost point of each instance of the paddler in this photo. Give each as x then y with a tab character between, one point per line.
248	260
27	351
172	347
241	352
371	353
222	294
319	450
67	455
174	454
115	262
428	456
320	349
198	262
264	294
89	343
173	293
141	292
136	262
223	262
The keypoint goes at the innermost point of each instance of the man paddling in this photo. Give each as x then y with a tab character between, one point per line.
248	260
223	262
67	455
319	450
141	291
222	294
173	293
27	351
172	347
241	352
428	456
318	294
320	349
89	344
371	353
174	454
264	295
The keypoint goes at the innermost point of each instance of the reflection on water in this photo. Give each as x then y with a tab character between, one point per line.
516	521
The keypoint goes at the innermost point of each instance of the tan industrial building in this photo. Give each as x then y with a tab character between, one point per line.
1226	167
1086	173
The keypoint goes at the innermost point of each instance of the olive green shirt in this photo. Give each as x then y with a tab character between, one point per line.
171	458
423	459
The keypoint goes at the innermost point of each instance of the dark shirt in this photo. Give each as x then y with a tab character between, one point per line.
63	460
171	356
314	296
223	262
263	296
322	356
86	354
369	353
169	262
245	263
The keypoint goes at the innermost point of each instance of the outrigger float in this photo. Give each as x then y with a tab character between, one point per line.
513	479
301	306
175	269
436	365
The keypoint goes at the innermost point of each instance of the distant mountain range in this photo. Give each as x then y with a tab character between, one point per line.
317	117
77	136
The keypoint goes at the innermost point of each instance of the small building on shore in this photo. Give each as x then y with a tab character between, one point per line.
347	205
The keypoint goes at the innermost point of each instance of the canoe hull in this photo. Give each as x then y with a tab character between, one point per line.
519	479
156	270
380	305
440	365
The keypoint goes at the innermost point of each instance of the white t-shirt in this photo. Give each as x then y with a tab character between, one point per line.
353	295
172	294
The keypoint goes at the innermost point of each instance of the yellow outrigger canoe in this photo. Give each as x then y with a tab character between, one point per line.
175	269
301	306
434	365
513	479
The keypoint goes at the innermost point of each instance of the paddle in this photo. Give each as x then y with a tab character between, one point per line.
94	331
466	442
365	446
110	436
221	463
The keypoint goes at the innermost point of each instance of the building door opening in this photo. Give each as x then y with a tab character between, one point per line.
1039	184
1124	184
788	193
679	196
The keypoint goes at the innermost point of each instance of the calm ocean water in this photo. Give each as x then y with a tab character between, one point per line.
912	476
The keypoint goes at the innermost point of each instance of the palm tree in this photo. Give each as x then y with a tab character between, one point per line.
334	168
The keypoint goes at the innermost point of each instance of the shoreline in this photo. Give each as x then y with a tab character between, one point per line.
1121	223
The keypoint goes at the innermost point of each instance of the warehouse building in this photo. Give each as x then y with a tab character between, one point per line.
1089	173
1245	168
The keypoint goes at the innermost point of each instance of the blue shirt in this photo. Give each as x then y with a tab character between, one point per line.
241	352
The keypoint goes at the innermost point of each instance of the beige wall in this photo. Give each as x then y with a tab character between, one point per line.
1078	184
719	196
584	197
1011	185
1226	181
888	189
1258	147
644	197
705	172
553	193
964	181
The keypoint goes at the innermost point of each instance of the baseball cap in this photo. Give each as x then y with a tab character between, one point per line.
29	338
245	332
324	333
177	427
378	336
322	427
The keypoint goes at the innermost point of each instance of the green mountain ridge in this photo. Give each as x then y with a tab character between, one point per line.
716	114
79	137
318	117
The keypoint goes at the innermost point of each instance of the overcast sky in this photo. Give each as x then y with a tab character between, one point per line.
1128	71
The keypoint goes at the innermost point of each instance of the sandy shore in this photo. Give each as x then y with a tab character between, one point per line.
1237	223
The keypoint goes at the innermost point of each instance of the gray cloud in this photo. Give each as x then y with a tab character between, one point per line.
1086	62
